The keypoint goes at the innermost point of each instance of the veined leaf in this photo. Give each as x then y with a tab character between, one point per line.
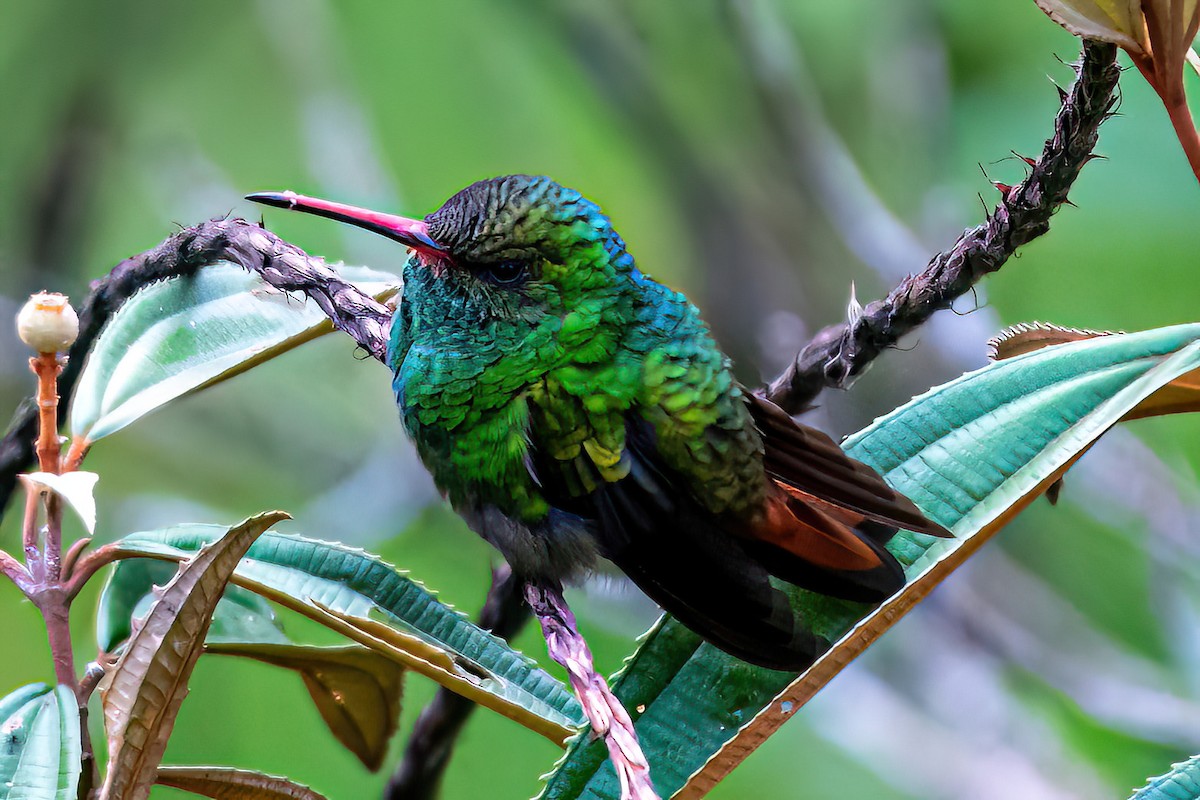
185	334
323	580
356	690
150	680
227	783
241	615
1181	783
971	453
39	744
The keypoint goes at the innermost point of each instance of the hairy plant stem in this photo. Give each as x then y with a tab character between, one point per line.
839	353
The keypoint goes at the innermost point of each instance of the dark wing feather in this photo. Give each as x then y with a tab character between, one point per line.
809	462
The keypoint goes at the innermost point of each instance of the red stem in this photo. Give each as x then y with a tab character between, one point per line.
86	565
56	611
16	572
52	557
33	555
1171	91
72	555
1185	129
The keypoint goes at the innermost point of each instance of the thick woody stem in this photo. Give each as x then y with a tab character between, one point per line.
604	711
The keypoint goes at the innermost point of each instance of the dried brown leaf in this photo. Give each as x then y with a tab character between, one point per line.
450	670
149	683
356	690
1177	397
227	783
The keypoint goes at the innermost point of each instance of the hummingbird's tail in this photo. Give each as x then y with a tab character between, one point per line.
830	516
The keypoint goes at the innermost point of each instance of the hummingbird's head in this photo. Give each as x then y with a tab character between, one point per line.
523	240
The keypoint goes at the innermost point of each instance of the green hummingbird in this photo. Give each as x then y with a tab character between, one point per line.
572	408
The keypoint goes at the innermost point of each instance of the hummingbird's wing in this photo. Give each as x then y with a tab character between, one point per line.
681	556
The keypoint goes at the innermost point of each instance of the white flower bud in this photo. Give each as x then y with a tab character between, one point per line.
47	323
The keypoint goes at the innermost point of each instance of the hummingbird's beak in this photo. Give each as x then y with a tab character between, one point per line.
413	233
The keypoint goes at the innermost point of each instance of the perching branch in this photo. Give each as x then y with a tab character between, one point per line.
280	264
839	353
419	775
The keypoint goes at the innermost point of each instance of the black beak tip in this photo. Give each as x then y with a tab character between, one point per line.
276	199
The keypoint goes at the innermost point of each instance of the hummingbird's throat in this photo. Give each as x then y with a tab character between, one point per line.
435	262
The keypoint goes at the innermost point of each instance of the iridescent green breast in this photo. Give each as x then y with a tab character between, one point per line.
476	396
460	386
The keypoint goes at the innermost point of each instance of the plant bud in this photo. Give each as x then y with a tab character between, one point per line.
47	323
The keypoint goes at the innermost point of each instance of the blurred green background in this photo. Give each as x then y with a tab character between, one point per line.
759	155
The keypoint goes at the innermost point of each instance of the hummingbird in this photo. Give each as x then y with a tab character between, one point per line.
571	408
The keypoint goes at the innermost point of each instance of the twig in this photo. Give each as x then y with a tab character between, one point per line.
29	536
85	566
280	264
840	352
427	755
47	368
604	711
15	572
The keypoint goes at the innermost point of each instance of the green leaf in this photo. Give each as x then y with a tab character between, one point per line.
971	453
1181	783
40	754
227	783
356	690
185	334
149	682
241	615
379	606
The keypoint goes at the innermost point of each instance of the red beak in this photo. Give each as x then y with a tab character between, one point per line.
412	233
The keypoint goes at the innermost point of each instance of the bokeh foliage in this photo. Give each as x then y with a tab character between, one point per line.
1060	664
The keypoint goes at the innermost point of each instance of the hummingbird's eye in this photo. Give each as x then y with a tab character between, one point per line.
505	273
